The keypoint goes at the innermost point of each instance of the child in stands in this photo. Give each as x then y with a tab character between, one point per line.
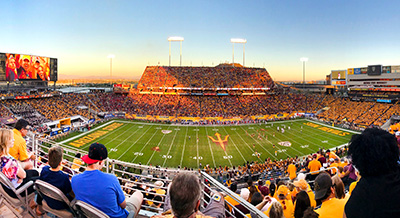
54	176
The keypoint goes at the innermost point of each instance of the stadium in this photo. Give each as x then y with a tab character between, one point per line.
228	138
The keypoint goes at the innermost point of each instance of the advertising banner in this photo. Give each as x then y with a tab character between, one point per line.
395	69
350	71
338	74
386	69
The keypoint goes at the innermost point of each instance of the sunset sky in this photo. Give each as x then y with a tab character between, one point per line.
334	35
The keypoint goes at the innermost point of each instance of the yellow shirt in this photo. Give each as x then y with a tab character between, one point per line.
332	208
288	208
333	171
311	195
231	201
18	151
352	186
159	191
332	155
343	164
292	171
76	164
314	165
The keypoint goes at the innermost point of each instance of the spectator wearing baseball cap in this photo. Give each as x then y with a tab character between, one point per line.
284	198
102	190
331	207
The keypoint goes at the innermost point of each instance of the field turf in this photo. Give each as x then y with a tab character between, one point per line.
173	145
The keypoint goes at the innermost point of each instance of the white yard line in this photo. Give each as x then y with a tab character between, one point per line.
209	144
197	146
236	146
255	141
279	134
170	146
111	140
126	150
155	132
151	157
184	145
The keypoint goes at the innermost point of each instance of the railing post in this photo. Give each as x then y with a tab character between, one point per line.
35	150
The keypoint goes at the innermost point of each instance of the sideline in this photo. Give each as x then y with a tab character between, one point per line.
85	133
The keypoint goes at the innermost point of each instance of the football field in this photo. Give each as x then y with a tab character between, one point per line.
173	145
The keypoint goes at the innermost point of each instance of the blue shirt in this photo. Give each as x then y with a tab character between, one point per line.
101	190
59	180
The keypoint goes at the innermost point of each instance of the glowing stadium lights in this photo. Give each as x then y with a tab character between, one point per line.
304	60
175	39
111	57
237	40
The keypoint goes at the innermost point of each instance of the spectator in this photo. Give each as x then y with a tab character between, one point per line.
103	190
231	200
158	189
302	185
11	167
338	187
185	193
54	176
377	194
302	203
310	213
331	207
77	162
292	171
349	175
276	211
19	151
314	165
245	194
283	194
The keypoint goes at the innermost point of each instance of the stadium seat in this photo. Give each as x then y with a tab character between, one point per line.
53	192
19	202
87	210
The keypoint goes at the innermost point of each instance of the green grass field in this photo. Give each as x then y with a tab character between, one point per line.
173	145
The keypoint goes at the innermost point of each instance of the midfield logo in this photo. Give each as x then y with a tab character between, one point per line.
219	141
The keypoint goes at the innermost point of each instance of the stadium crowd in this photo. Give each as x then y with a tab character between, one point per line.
223	76
328	108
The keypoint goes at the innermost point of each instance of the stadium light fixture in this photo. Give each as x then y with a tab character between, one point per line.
175	39
111	57
237	40
304	60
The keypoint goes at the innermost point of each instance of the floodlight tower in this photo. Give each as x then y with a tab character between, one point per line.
175	39
304	60
111	56
236	40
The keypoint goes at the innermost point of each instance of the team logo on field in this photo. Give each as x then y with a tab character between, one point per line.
285	143
166	131
219	141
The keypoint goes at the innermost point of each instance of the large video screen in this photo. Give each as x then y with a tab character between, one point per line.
338	74
25	67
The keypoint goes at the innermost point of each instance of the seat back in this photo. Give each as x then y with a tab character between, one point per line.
19	201
51	191
46	189
86	210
